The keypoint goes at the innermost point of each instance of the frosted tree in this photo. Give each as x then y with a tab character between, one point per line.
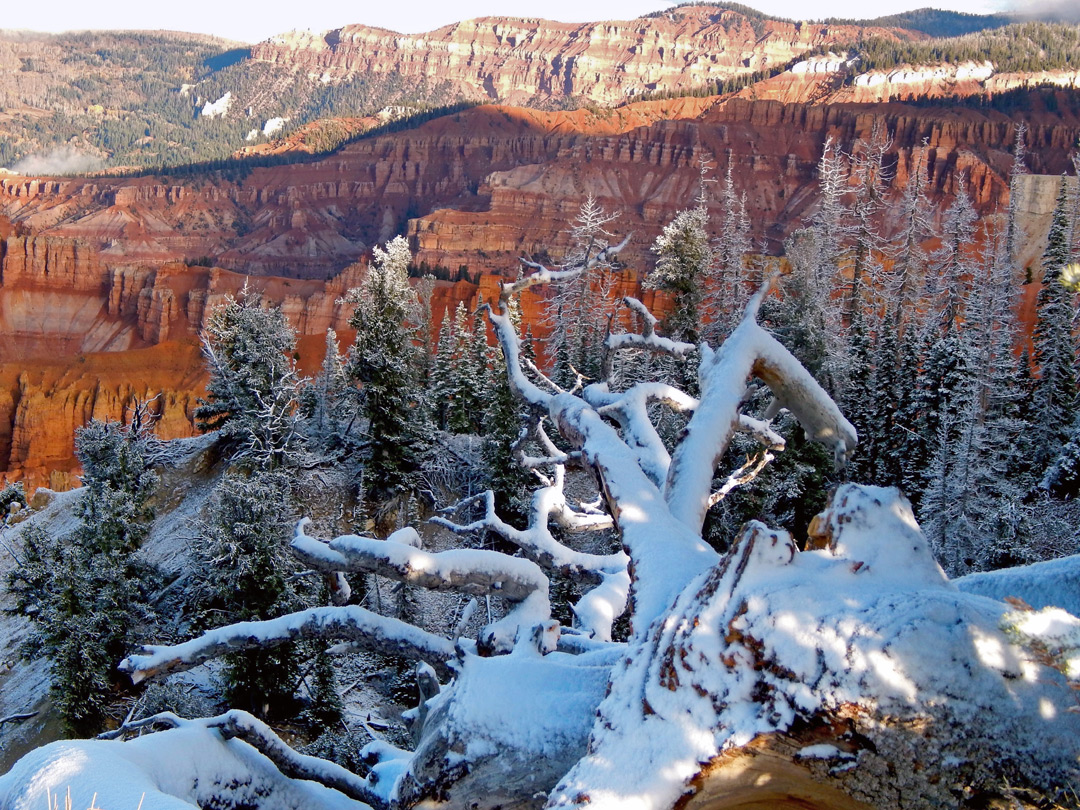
87	593
951	265
253	388
1054	357
384	361
820	254
329	406
241	574
906	282
728	290
683	259
459	396
577	312
871	181
1019	168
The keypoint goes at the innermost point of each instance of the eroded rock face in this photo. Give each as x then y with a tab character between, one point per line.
103	264
519	60
480	188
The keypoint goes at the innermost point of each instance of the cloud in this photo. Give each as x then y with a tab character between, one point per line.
1054	10
61	160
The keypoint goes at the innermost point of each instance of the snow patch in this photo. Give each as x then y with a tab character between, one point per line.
274	125
172	770
217	108
1054	583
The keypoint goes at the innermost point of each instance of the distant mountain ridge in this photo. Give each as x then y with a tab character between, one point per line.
146	100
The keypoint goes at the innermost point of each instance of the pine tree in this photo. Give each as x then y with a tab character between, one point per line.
952	264
241	574
871	179
329	405
907	281
384	362
504	421
87	593
683	258
253	387
727	290
576	309
441	382
1054	391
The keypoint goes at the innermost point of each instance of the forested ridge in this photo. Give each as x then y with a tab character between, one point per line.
89	101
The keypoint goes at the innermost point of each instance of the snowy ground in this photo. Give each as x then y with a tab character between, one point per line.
1055	583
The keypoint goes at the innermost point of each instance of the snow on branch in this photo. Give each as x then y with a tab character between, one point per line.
351	623
236	724
544	275
538	544
473	571
748	351
648	339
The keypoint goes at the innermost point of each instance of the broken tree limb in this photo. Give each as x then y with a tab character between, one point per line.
236	724
473	571
348	623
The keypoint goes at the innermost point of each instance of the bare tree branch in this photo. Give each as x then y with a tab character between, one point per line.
473	571
243	726
378	633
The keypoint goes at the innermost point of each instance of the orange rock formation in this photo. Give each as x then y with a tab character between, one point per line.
96	286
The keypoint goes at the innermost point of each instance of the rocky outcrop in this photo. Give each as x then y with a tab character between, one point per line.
520	60
481	187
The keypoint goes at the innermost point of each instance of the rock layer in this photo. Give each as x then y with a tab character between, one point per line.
103	265
516	61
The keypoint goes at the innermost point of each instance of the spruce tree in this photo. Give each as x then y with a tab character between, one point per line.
727	291
384	362
87	593
576	310
241	574
329	405
442	381
252	392
683	259
1054	357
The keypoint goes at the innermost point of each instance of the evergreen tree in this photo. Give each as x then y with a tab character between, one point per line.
683	258
504	421
1019	168
441	382
251	395
907	280
87	593
241	574
952	264
384	362
728	292
577	308
872	178
329	405
1054	390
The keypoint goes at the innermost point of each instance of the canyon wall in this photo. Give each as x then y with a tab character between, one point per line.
516	61
99	300
479	188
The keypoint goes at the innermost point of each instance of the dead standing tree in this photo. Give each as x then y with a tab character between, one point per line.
816	657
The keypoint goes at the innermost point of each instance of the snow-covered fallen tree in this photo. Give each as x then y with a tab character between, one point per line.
850	674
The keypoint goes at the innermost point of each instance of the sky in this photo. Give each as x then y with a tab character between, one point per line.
253	21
